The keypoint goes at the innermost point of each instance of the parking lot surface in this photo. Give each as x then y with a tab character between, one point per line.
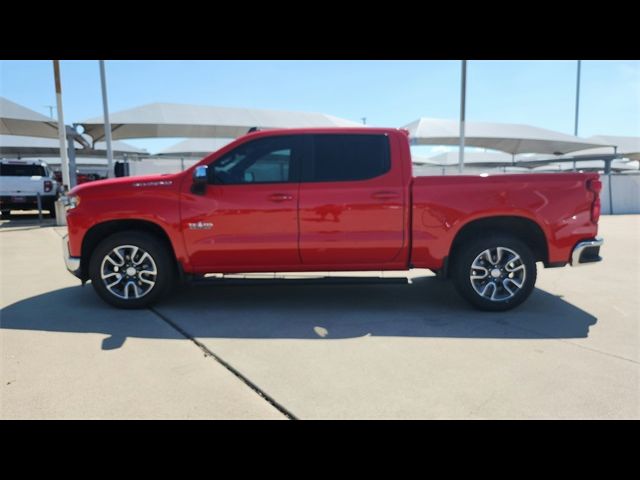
314	351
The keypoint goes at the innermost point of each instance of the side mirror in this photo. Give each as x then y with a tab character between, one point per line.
200	180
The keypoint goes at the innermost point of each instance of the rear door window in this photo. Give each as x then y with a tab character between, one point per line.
344	158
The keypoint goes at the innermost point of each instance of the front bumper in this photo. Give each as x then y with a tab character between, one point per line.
72	263
587	252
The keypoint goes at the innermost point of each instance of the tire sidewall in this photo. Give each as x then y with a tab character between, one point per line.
158	251
467	255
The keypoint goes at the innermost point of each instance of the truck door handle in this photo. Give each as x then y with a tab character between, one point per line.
384	195
280	197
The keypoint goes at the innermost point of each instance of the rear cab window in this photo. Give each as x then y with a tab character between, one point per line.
347	157
21	170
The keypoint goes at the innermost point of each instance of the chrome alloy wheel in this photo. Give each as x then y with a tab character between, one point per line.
497	274
128	272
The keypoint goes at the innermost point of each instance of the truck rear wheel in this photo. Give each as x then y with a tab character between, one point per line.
131	269
495	273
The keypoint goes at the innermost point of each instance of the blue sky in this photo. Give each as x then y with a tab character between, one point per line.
387	93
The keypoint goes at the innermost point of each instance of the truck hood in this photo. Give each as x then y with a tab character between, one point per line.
101	187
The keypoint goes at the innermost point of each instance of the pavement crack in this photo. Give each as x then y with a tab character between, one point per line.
209	353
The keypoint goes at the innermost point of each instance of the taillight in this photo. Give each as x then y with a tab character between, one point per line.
595	185
595	211
48	185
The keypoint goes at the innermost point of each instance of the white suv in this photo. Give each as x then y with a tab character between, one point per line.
20	183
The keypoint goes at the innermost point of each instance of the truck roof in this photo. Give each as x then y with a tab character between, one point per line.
5	161
326	130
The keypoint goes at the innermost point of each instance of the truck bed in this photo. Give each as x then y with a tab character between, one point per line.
559	203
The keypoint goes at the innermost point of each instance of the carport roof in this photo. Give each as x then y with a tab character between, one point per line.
22	146
178	120
16	119
195	147
505	137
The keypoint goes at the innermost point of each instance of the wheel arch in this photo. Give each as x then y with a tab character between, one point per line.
525	229
103	230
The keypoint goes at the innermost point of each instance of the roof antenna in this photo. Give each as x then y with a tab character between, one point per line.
253	129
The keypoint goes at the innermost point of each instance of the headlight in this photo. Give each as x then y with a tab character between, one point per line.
71	201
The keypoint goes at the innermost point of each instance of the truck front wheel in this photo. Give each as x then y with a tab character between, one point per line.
495	273
131	269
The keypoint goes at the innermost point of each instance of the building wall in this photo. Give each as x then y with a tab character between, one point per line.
625	194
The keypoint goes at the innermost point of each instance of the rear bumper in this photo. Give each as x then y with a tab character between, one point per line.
30	202
72	263
587	251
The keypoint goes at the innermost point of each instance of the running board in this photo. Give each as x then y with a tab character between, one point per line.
301	281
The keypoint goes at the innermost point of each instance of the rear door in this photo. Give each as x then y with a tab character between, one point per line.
351	202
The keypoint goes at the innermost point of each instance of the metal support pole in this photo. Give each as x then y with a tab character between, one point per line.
64	161
39	200
107	123
575	127
607	170
463	98
181	164
73	178
610	195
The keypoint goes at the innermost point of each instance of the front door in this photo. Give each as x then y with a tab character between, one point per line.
247	220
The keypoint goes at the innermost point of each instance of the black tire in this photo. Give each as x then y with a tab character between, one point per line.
158	251
52	210
467	253
6	213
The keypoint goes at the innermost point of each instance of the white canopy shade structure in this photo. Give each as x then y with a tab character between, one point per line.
617	165
480	159
627	147
18	120
119	148
510	138
194	147
177	120
20	146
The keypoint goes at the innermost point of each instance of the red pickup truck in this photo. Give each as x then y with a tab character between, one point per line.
328	200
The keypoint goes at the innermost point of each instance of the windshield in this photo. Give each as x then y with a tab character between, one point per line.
18	170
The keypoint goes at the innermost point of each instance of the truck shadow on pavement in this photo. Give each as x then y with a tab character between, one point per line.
27	221
426	308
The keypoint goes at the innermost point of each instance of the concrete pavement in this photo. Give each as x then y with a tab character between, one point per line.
65	354
321	351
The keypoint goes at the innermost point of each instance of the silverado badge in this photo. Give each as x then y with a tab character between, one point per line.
200	226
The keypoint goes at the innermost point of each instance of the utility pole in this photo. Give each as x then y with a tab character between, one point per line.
364	120
575	127
107	124
463	99
62	133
